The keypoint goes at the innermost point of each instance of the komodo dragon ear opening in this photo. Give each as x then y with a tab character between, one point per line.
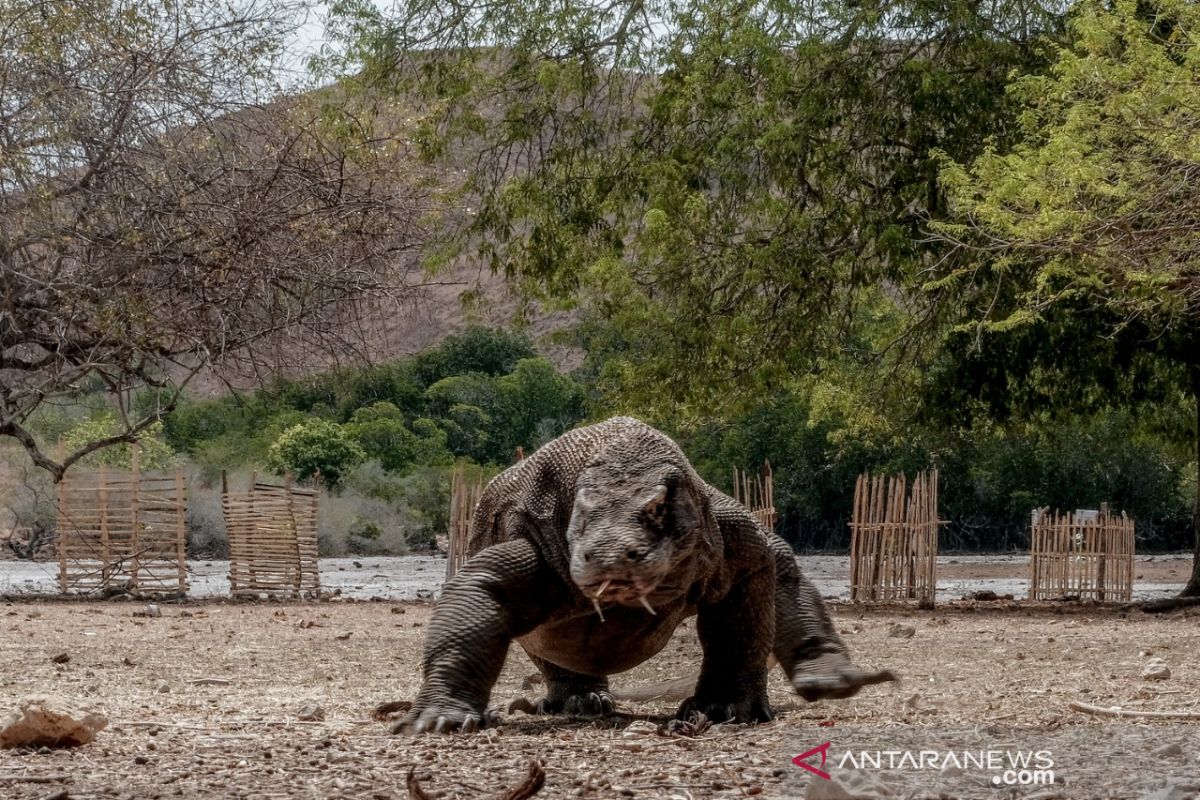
655	507
671	508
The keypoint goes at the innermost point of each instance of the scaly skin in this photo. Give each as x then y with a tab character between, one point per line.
613	516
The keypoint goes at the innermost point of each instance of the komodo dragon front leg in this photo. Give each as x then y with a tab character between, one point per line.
502	592
807	645
736	634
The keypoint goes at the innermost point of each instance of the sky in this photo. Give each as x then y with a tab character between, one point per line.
309	37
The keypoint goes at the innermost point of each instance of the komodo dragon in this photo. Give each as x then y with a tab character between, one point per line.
589	553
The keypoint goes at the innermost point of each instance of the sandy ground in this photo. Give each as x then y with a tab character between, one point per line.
204	702
420	577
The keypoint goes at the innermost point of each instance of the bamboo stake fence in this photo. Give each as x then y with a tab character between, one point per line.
1081	556
757	493
122	530
464	496
272	539
894	538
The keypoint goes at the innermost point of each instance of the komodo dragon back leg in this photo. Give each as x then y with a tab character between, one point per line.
807	645
570	692
502	592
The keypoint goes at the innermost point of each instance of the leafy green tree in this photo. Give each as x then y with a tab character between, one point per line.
433	447
726	181
381	432
1085	233
539	403
315	449
486	351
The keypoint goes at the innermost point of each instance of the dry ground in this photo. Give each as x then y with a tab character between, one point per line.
177	731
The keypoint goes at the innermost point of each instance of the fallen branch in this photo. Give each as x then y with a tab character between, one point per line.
1101	711
415	792
533	783
35	778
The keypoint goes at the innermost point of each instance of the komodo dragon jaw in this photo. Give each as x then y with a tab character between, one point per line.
626	494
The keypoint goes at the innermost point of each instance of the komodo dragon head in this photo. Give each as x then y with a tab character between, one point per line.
637	516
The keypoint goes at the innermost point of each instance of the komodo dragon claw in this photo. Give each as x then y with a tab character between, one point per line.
813	683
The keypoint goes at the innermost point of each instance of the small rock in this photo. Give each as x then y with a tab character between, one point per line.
341	637
640	727
61	658
151	610
1156	670
1169	751
398	610
986	595
163	687
45	721
898	631
311	713
912	701
141	760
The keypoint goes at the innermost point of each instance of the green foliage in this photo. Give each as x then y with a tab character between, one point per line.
476	350
315	449
1088	202
155	452
991	475
538	402
725	183
1088	253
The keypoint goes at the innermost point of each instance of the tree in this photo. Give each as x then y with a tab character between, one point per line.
1086	234
726	182
315	449
380	431
163	212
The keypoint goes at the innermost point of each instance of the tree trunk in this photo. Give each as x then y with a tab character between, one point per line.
1193	585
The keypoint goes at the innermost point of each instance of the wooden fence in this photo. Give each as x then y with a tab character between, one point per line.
757	493
464	496
272	539
1079	555
122	530
894	538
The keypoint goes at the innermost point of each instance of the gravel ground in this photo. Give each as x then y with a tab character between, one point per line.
206	701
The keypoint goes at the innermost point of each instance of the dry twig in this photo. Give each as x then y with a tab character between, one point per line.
1101	711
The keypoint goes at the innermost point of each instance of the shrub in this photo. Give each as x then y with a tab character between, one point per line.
316	448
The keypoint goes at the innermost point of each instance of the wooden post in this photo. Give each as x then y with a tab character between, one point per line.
295	532
135	538
106	556
181	529
60	541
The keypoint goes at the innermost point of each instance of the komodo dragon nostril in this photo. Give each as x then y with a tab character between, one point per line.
587	555
635	554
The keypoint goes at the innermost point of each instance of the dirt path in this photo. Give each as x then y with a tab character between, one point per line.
172	737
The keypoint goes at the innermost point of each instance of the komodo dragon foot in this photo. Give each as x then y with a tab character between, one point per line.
599	703
447	716
833	677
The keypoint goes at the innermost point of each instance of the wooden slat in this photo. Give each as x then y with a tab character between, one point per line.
893	538
1088	559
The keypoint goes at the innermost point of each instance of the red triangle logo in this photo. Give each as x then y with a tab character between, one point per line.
802	760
